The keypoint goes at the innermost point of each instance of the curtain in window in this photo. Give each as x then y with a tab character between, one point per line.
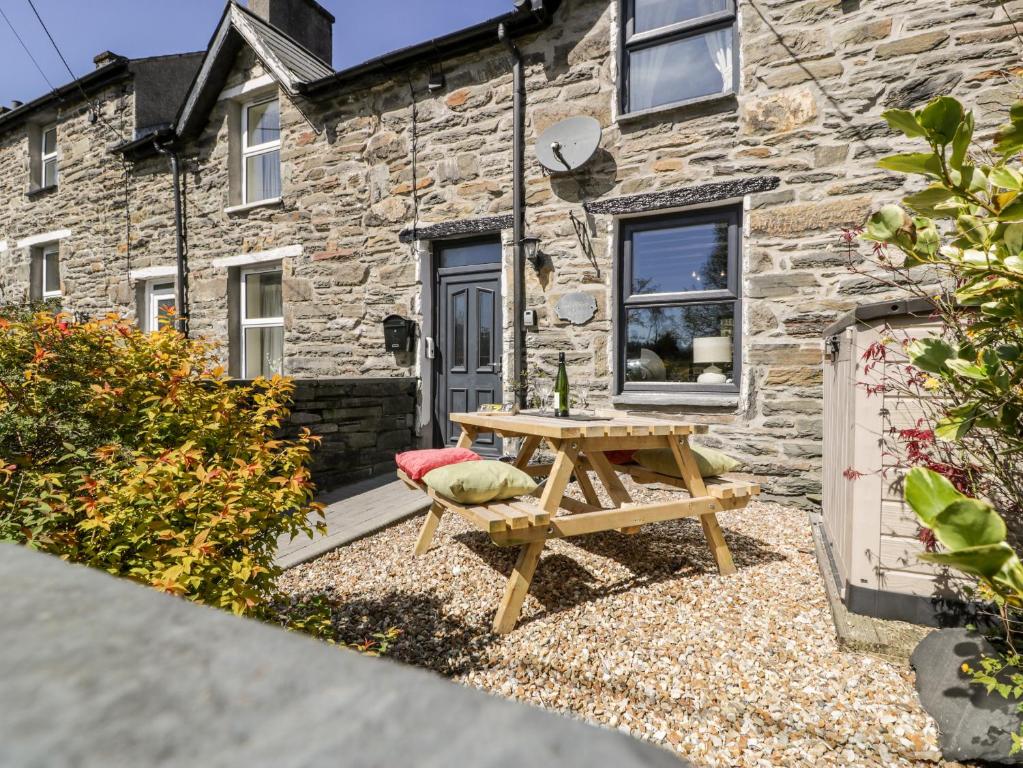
263	176
719	45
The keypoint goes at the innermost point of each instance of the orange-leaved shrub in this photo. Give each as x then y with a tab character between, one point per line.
133	452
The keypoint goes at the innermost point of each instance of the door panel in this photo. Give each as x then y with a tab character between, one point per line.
468	360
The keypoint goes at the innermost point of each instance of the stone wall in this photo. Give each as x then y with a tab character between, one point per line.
100	213
362	423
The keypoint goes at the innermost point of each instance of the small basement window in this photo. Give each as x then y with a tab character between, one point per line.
261	151
679	303
676	51
261	322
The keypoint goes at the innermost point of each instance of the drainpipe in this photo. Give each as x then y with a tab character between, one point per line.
518	213
180	284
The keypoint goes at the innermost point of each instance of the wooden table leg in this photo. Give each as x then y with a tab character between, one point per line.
468	436
518	586
529	554
611	482
718	546
694	483
583	478
526	450
429	528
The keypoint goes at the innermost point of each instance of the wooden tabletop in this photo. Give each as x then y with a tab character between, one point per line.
527	423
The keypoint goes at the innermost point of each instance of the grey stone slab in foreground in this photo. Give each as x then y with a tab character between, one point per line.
972	724
100	672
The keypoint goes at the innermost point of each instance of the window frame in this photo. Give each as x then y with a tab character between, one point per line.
244	323
259	149
47	251
624	299
45	157
153	298
630	42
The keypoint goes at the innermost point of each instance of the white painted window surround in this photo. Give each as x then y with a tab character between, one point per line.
152	273
159	300
258	257
249	86
261	150
262	321
45	237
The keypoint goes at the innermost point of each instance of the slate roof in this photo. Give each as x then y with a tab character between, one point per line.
288	62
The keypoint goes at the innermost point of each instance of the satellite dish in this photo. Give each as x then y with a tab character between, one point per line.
568	145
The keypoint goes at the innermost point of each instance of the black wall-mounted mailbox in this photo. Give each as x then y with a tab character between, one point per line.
399	333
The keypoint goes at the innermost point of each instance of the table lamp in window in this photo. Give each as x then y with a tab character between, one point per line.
710	350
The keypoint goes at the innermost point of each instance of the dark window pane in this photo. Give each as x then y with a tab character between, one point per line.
486	341
651	14
264	351
50	141
263	176
470	254
695	66
680	344
263	297
51	272
676	259
459	322
264	123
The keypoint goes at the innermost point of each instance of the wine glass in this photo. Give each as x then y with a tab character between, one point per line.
544	388
583	393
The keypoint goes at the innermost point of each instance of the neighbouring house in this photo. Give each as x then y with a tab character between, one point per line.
688	268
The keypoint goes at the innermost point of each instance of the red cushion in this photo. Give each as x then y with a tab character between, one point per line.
416	464
620	457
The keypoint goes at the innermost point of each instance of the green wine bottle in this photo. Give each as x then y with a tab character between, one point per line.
561	389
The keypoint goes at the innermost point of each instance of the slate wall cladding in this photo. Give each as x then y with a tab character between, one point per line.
362	423
815	77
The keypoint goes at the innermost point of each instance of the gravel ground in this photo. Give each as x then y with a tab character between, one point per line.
640	633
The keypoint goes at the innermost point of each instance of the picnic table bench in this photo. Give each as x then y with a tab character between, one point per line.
580	445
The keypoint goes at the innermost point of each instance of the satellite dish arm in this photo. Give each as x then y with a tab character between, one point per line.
556	149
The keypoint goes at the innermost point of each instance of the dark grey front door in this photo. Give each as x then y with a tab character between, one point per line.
468	360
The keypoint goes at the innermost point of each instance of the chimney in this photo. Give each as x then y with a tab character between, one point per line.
304	21
107	57
15	103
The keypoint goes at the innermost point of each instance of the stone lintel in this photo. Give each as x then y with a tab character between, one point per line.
458	227
684	196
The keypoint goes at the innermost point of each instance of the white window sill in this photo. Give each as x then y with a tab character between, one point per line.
268	203
691	399
640	114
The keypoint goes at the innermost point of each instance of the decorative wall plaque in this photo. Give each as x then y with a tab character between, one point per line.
576	308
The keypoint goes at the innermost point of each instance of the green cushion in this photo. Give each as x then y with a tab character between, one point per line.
710	461
477	482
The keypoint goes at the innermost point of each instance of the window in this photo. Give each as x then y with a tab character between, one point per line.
261	151
679	310
159	305
48	156
676	51
49	271
262	323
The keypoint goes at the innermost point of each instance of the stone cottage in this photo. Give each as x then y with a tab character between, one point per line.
687	266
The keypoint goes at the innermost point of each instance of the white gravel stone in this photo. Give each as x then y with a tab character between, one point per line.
641	634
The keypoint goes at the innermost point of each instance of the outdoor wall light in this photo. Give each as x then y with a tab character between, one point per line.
531	249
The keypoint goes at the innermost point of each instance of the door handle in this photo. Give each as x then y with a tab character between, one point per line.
431	348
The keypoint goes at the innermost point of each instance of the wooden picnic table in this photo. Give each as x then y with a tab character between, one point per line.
580	446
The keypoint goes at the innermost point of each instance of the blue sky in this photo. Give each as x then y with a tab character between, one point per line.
136	28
